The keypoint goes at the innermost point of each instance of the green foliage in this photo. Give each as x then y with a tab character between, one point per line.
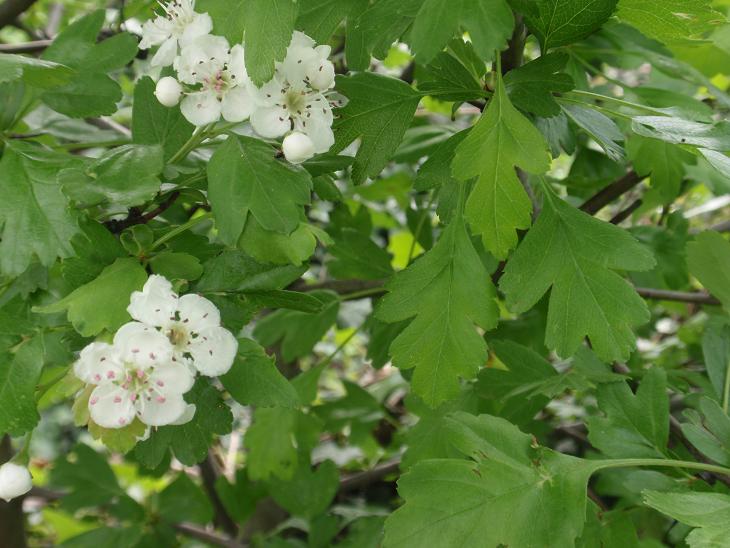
18	377
708	257
562	22
669	21
503	139
269	25
576	255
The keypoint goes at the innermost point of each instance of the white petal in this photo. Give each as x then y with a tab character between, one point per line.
171	379
198	313
297	147
160	410
269	94
98	362
142	345
201	25
166	54
237	105
201	108
298	62
15	480
321	134
111	406
154	32
187	415
156	304
237	65
270	122
299	39
213	351
321	75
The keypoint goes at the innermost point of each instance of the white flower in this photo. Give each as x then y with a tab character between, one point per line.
294	100
15	480
220	73
178	26
168	91
191	323
135	376
297	147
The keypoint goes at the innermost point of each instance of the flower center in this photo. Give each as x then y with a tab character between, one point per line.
179	336
295	102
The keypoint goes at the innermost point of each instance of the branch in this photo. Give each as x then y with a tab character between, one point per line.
679	296
624	214
199	533
362	479
676	429
608	194
26	47
10	9
209	475
136	218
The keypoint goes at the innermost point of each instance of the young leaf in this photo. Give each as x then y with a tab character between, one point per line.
34	212
489	24
379	111
298	331
708	257
255	380
245	176
269	26
18	378
709	513
503	139
112	287
636	425
531	86
669	21
155	124
511	494
447	292
562	22
575	254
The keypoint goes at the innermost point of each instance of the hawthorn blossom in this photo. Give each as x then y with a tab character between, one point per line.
168	91
222	85
295	101
191	324
179	26
15	480
136	376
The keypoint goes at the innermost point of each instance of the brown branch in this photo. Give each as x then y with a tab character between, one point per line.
25	47
624	214
676	429
367	477
215	539
679	296
209	474
608	194
137	218
10	9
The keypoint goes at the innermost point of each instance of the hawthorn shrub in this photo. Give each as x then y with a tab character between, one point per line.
360	273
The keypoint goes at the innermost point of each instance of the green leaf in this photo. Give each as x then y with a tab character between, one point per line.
503	139
309	492
511	494
233	270
575	254
436	171
34	213
716	350
635	425
255	380
278	442
125	176
319	19
155	124
182	500
18	378
120	440
663	161
684	132
267	246
489	24
708	257
112	287
119	537
670	21
447	292
228	17
379	111
87	95
599	127
531	86
562	22
447	79
36	72
269	27
709	513
176	266
709	432
356	256
189	442
243	176
298	331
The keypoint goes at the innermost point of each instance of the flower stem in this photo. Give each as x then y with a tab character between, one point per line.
625	463
180	229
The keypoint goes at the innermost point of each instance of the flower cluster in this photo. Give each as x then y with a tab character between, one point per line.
212	82
152	361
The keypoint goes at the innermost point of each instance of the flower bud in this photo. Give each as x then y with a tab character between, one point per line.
168	91
297	147
321	76
15	481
